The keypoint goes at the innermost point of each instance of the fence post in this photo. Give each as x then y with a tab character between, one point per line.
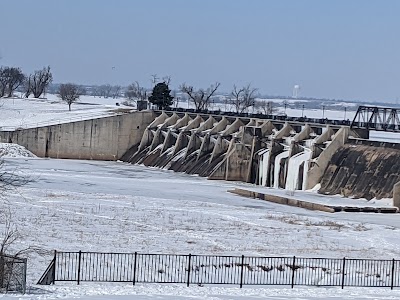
24	279
79	266
241	272
293	269
54	268
343	267
189	266
392	283
134	269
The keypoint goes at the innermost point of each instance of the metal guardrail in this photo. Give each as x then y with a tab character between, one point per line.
82	117
275	117
224	270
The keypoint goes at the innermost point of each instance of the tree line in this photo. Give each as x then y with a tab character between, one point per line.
36	84
12	78
240	98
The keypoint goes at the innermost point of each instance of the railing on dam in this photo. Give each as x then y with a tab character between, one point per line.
226	270
275	117
95	115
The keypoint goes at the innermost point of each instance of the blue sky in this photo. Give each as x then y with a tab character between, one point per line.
348	49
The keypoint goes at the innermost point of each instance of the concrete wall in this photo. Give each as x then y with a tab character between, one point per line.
100	139
317	171
282	200
396	195
363	171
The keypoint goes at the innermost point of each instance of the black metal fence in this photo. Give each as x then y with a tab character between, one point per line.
12	274
209	269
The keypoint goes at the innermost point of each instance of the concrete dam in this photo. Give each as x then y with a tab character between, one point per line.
287	154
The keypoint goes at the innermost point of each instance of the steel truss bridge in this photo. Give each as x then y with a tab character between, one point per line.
377	118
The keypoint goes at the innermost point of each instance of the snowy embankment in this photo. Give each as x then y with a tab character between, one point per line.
31	112
13	150
74	205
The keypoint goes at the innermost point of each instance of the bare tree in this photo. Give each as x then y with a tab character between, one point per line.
201	97
10	79
9	233
82	90
27	86
39	81
3	82
243	98
95	91
236	99
136	92
167	79
266	107
105	90
69	93
154	80
116	91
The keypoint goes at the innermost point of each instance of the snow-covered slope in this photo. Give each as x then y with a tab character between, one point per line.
13	150
74	205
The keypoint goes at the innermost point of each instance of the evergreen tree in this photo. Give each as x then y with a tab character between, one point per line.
161	96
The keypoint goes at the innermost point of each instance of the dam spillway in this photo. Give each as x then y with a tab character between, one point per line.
285	153
363	169
272	153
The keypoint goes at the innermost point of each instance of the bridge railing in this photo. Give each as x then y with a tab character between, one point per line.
275	117
226	270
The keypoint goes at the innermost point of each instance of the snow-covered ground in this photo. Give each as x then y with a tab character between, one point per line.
72	205
180	292
22	113
112	206
27	113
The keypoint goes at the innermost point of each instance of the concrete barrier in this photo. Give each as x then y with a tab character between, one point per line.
105	138
311	205
282	200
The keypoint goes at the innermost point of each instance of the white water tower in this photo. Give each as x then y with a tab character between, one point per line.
296	90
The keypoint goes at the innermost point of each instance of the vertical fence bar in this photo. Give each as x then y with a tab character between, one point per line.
134	269
343	271
241	272
79	267
293	269
54	269
188	276
392	281
25	262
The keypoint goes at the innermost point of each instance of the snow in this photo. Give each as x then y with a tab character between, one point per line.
29	113
181	292
72	205
13	150
292	180
112	206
